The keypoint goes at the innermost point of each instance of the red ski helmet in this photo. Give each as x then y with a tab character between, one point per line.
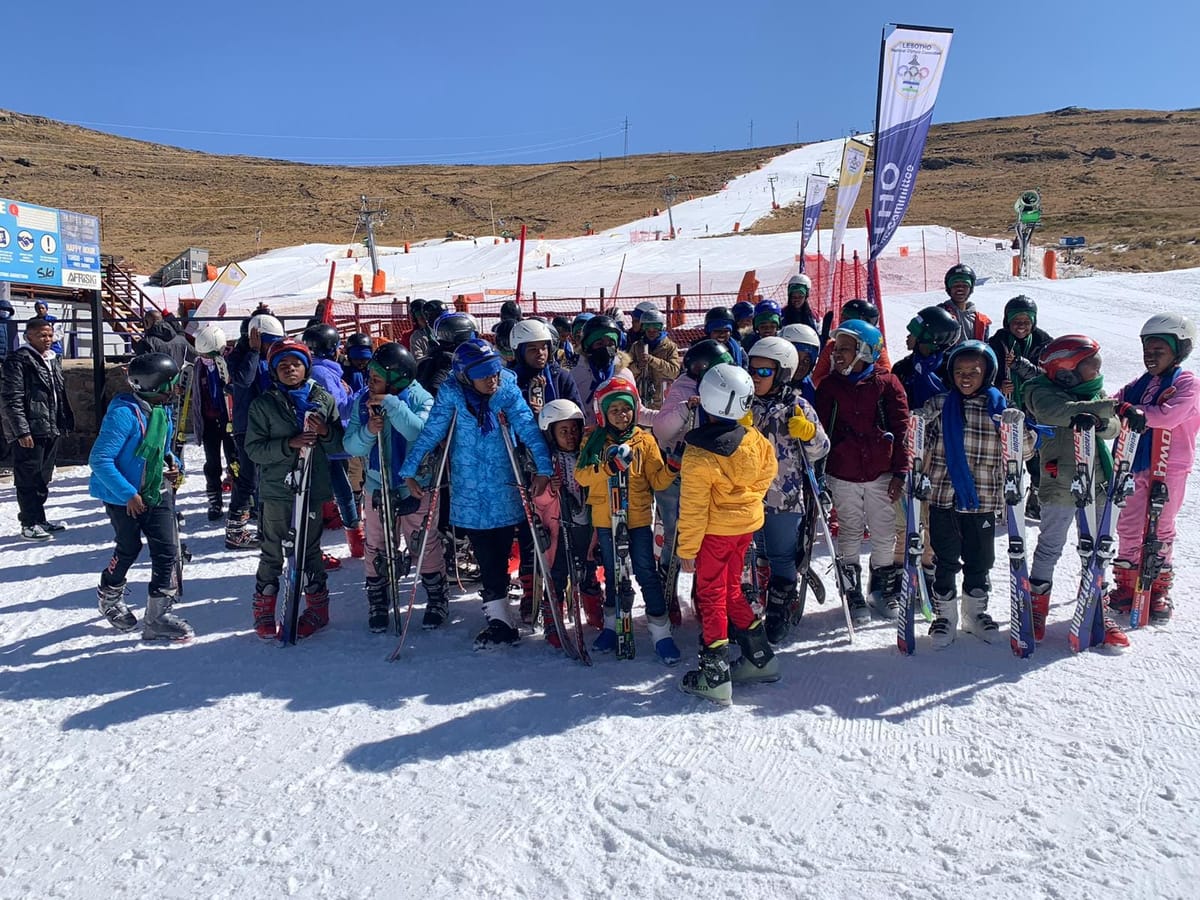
1062	356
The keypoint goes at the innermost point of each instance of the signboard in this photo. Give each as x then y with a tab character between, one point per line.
1072	241
39	245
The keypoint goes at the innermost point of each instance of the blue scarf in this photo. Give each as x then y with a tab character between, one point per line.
525	375
479	407
856	377
301	402
397	447
954	422
1141	459
925	381
356	379
599	377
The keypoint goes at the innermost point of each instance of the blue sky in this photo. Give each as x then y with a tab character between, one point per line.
471	82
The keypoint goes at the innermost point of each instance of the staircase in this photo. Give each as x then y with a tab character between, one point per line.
123	301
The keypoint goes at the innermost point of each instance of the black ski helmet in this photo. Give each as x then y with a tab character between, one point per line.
1020	305
434	309
934	325
600	326
703	355
863	310
397	366
417	308
358	346
152	374
959	272
322	340
510	310
451	329
719	317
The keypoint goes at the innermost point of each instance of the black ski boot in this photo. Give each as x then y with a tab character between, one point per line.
111	600
499	631
851	575
711	680
784	609
216	506
159	623
437	607
757	664
885	591
378	604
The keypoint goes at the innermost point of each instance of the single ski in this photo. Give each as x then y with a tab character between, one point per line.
422	541
294	544
914	591
1020	626
575	571
824	506
540	543
1152	560
618	507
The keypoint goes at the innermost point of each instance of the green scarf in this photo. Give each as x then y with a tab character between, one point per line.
1086	390
152	449
592	453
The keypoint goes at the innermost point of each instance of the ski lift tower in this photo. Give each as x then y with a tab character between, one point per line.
1029	216
368	216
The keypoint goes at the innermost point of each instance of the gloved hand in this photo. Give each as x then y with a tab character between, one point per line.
1024	368
620	457
1084	420
1135	417
800	427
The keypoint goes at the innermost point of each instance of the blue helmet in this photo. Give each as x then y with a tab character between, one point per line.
475	358
974	347
743	309
866	335
766	310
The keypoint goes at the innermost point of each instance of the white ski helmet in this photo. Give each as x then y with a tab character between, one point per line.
802	281
726	391
801	336
267	325
644	307
210	340
781	352
1174	327
559	411
532	331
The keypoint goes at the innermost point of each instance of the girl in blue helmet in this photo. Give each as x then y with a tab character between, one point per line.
484	501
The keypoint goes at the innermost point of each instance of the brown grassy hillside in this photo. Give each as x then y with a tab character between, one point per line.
1122	178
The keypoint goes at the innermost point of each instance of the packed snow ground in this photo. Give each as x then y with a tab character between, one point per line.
230	768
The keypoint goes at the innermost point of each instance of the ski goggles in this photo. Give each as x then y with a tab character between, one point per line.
762	371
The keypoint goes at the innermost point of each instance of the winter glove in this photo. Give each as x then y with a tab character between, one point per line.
1081	421
620	457
1135	418
1024	368
800	427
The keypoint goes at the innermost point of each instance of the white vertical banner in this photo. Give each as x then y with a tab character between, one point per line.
854	166
215	301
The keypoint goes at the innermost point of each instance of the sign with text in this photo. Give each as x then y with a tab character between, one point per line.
39	245
1072	241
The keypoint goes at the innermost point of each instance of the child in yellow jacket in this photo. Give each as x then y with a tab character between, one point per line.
620	445
726	471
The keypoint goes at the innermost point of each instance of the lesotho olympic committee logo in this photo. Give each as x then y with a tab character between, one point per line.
916	64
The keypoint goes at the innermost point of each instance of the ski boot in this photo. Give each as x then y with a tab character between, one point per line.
357	541
591	596
331	516
111	600
1040	591
1160	600
606	640
851	575
712	679
264	611
1033	506
549	631
758	663
526	605
499	631
216	506
330	562
239	535
975	618
664	645
1120	598
437	607
784	609
378	604
885	592
159	623
1114	636
944	627
316	612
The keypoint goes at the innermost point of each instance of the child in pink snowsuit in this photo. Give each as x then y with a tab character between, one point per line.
1165	397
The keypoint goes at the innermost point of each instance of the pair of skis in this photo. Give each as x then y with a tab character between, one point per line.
914	592
618	507
389	553
824	506
295	542
1095	528
1012	441
1152	560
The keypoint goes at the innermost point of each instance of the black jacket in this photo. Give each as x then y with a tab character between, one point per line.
162	338
34	398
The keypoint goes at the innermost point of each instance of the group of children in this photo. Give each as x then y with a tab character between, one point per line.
719	442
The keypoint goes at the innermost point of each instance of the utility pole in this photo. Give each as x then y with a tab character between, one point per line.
751	144
625	149
772	179
367	217
669	196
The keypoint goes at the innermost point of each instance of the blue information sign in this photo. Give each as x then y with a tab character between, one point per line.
39	245
1072	242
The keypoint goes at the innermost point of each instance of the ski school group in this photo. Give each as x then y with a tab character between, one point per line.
570	439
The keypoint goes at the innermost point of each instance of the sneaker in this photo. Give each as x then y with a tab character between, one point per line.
111	601
1114	637
54	526
36	533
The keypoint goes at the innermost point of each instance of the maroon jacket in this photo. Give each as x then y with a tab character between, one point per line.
867	424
